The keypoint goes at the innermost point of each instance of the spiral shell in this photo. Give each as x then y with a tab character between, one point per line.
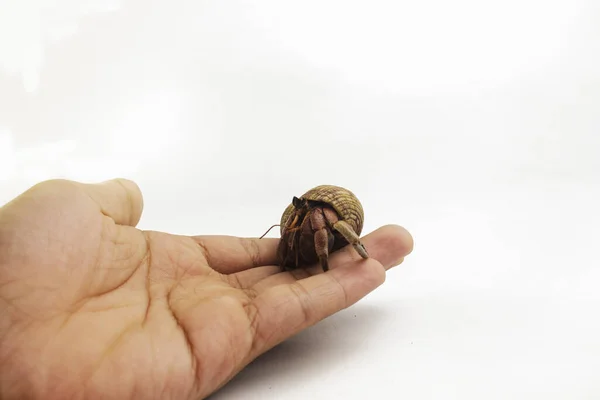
343	201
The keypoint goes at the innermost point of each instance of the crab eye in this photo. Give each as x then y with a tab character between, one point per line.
297	202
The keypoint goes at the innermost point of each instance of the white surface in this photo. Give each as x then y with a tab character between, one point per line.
476	125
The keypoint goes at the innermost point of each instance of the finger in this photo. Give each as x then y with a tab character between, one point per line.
230	254
284	310
253	278
388	245
119	199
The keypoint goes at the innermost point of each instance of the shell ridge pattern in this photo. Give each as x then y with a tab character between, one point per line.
343	201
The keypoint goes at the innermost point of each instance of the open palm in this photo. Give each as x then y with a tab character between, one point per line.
91	306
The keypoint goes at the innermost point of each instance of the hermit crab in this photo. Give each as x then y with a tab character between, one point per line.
321	221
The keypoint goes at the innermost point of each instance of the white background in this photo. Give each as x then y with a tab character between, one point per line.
474	124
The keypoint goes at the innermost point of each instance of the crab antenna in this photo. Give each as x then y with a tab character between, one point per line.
269	230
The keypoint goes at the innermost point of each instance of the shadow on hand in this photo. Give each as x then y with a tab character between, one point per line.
314	353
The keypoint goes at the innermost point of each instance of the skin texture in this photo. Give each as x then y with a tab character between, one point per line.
92	307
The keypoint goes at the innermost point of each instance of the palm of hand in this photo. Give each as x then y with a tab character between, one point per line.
92	306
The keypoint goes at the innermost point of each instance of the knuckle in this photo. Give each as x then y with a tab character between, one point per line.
260	337
302	298
205	251
252	250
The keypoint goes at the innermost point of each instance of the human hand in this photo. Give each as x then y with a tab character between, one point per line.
92	307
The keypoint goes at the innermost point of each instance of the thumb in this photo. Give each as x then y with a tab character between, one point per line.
119	199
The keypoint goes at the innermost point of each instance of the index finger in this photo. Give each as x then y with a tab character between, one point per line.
230	254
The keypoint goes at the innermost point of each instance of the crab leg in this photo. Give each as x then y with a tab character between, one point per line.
346	230
322	247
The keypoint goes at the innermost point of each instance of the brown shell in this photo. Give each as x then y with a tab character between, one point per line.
343	201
